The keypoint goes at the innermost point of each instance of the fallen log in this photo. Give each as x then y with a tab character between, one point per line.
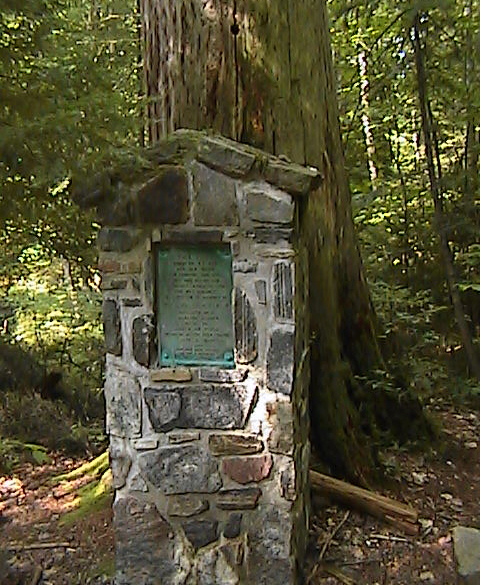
391	511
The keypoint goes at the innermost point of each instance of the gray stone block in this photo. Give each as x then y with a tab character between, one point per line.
164	198
245	329
233	525
123	406
112	327
222	376
268	205
215	198
269	556
143	340
272	235
261	290
163	409
280	361
117	240
220	407
282	287
144	544
181	469
201	532
466	544
120	462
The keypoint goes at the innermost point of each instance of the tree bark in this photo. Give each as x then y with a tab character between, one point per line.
260	71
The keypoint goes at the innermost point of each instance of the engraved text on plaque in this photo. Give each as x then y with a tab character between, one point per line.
194	305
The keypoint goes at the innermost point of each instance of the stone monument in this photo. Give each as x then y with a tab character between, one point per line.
205	281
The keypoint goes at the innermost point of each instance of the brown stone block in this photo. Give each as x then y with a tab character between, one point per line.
247	469
242	499
187	505
233	444
280	416
171	375
107	265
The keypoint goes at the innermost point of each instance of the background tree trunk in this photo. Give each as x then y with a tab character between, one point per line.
260	71
434	175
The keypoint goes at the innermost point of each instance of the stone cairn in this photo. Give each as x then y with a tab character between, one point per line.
209	462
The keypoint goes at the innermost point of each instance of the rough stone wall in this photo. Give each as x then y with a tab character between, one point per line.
210	466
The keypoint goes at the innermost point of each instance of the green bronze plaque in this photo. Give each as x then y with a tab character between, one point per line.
194	305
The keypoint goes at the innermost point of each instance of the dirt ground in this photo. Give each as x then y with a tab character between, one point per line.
345	547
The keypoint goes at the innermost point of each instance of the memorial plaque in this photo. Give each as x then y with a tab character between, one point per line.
194	294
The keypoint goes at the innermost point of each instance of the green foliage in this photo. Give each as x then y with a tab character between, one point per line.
394	215
71	98
12	452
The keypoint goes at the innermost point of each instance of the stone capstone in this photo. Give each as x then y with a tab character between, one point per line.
280	360
266	204
466	545
225	156
117	240
163	408
187	505
164	198
247	469
123	406
245	328
239	499
143	340
233	525
232	444
181	469
112	327
120	462
282	291
215	198
201	532
144	544
292	177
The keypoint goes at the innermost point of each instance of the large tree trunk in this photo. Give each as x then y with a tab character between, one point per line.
260	71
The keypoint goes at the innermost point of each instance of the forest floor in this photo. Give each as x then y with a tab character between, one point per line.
345	547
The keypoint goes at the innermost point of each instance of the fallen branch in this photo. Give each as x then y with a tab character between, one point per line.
331	536
396	513
38	546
